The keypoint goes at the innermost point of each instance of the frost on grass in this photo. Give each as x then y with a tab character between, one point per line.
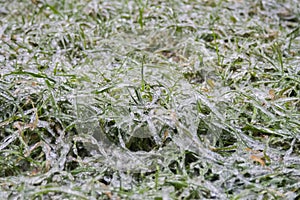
134	99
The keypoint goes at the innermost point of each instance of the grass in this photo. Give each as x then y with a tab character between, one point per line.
154	100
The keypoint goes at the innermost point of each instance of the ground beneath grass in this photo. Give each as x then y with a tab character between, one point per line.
149	99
